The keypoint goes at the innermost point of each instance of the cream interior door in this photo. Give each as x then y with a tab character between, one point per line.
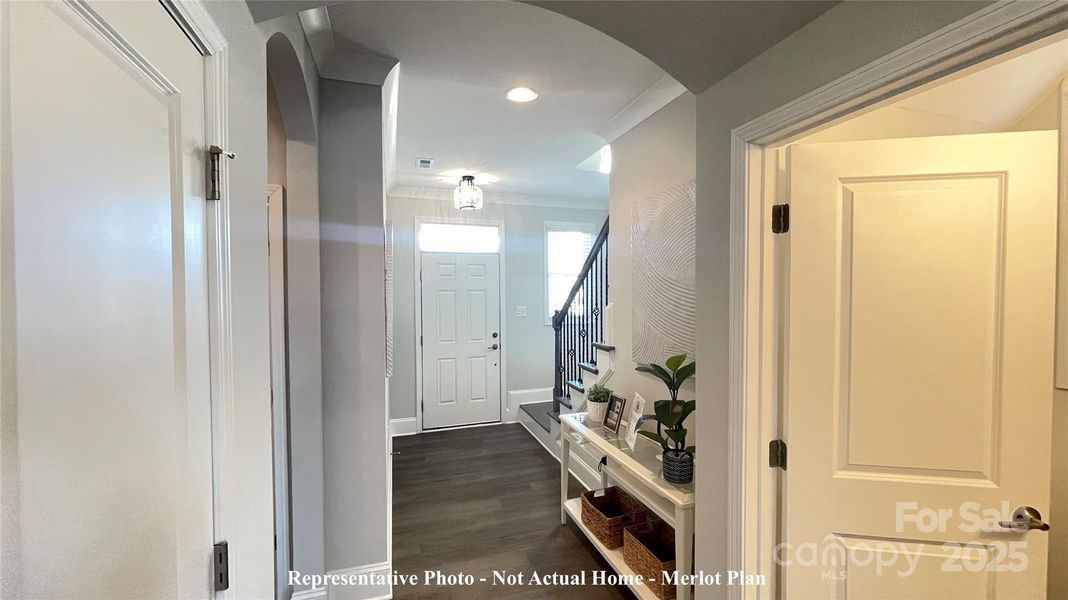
919	366
461	321
106	414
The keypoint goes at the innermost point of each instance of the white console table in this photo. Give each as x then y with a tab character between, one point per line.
639	473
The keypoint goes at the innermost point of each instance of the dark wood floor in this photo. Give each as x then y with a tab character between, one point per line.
484	499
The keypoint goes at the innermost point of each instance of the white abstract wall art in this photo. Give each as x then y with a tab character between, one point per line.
663	245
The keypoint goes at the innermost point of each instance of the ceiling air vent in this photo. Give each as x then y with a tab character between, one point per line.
424	163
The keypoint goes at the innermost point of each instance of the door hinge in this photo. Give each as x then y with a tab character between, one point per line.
780	218
777	454
420	340
214	185
221	564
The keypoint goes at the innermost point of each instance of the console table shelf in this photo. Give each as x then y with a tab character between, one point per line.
638	472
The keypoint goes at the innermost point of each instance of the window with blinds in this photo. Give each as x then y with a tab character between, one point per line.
567	245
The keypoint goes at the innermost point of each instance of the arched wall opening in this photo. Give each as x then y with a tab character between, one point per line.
293	164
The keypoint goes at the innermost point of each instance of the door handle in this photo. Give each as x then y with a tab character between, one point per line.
493	347
1025	518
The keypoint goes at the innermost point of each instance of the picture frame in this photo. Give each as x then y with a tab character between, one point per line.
613	414
637	410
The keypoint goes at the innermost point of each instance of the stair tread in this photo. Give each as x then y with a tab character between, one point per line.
564	400
589	366
555	416
605	347
577	386
540	413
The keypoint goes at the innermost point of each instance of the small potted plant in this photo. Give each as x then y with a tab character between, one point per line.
670	416
596	402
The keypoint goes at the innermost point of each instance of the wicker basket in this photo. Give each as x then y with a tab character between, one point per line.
649	549
606	512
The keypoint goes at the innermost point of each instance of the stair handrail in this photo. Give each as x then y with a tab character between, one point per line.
595	250
599	245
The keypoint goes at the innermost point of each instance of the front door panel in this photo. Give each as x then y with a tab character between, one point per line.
461	339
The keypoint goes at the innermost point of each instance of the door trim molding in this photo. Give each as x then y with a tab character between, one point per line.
502	253
120	46
232	483
753	391
278	280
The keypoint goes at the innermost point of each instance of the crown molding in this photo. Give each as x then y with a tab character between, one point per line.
370	69
265	10
445	195
643	106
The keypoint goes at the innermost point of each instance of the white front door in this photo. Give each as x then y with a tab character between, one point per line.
106	408
919	366
461	300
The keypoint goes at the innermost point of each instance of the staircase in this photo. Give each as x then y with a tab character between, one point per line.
579	327
581	357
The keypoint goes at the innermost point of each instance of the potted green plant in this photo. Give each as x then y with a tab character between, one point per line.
670	416
596	402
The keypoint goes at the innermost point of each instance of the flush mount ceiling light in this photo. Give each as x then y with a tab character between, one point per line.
467	195
521	95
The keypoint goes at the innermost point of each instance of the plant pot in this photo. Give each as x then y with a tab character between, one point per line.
678	466
595	411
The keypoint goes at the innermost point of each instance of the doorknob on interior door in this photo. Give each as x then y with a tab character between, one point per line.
1025	518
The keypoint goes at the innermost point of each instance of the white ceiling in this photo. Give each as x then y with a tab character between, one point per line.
457	59
999	95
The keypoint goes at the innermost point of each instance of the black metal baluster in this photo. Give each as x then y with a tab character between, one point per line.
583	326
598	326
574	344
603	269
570	345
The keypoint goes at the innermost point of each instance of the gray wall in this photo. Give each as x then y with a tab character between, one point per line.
656	155
845	38
529	343
293	161
352	253
276	139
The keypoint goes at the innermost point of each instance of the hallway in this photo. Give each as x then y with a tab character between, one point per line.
484	499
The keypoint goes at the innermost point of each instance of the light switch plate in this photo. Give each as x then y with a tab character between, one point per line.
520	311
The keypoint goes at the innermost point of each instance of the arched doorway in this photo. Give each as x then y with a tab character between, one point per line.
296	380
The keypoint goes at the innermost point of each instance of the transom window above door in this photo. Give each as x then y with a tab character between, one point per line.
459	237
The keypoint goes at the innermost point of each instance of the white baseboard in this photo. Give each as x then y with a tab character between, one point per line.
408	426
516	398
371	591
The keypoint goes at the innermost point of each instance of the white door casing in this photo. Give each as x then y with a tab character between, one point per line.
919	364
283	518
461	322
106	415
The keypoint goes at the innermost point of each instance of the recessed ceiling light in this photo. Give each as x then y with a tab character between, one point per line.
521	94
